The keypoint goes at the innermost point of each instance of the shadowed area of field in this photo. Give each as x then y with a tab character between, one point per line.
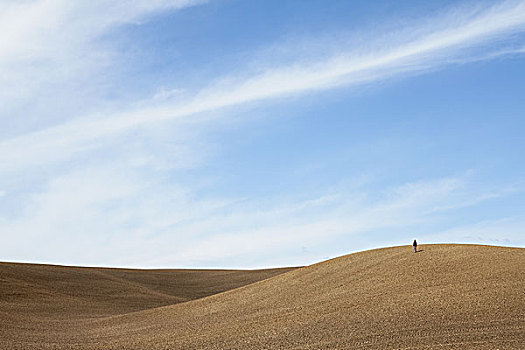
443	297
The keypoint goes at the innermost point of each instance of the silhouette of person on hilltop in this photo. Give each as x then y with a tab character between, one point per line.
415	246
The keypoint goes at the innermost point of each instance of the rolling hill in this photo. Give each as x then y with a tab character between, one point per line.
39	301
443	297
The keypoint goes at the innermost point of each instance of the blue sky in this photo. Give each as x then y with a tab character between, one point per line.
247	134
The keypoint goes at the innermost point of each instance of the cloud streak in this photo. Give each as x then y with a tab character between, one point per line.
51	48
111	217
90	183
436	43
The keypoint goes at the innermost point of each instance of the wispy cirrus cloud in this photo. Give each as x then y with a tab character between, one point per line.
51	48
446	39
112	217
98	194
53	29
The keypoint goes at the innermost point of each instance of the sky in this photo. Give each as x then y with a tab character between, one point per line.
253	134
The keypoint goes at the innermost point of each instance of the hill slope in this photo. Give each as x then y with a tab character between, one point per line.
45	300
444	297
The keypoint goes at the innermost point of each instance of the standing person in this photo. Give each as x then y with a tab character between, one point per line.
415	246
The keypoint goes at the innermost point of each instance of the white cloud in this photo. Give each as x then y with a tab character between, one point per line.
107	216
435	43
26	23
267	236
51	48
113	212
58	30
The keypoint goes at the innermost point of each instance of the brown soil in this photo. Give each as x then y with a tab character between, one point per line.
443	297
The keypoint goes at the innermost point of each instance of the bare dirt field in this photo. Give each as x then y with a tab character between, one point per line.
443	297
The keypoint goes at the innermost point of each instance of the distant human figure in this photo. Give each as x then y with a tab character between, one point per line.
415	246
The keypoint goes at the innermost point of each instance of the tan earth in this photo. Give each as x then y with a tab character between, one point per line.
443	297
